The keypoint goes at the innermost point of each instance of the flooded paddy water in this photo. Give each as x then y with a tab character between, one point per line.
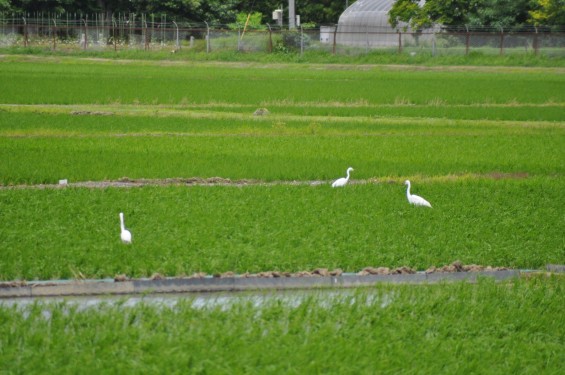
322	298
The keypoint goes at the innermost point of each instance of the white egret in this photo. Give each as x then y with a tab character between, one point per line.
125	234
416	200
342	181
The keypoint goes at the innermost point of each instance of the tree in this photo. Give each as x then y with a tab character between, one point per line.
251	20
320	11
445	12
451	12
548	12
212	11
500	13
5	6
410	12
493	13
311	11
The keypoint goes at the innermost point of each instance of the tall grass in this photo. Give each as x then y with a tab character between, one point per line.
180	230
476	58
457	328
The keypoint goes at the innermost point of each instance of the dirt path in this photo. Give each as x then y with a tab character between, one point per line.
126	182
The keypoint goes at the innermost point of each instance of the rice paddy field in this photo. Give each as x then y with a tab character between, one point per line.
207	186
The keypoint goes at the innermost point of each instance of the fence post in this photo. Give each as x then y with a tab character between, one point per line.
177	45
207	37
301	41
25	31
146	37
367	39
114	34
270	39
85	34
335	36
132	40
54	34
501	41
467	40
399	42
536	46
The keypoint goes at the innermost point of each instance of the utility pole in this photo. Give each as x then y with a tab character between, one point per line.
291	15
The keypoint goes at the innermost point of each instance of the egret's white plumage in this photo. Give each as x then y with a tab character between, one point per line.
342	181
416	200
125	235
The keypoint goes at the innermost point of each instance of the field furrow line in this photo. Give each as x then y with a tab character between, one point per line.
126	182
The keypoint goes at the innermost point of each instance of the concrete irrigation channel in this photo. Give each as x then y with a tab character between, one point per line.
230	285
62	288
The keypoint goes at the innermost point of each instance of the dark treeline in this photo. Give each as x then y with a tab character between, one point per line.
213	11
493	13
482	13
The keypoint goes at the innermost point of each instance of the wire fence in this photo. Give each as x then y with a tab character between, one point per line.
126	32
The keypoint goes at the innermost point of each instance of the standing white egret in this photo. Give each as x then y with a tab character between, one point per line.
342	181
416	200
125	234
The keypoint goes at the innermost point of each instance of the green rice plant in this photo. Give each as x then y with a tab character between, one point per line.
449	328
311	136
73	81
278	154
226	119
179	230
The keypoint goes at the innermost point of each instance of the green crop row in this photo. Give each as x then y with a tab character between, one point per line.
62	233
45	159
340	113
75	81
433	109
49	121
458	328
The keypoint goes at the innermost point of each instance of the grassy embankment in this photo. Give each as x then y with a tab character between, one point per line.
550	57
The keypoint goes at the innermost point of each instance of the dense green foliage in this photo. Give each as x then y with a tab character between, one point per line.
507	14
443	329
212	11
495	13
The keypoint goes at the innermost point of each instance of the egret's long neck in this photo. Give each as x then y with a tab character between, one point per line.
408	190
122	222
347	178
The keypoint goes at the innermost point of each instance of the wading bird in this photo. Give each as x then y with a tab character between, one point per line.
342	181
125	234
416	200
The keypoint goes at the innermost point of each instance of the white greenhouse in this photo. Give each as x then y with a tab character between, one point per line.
365	24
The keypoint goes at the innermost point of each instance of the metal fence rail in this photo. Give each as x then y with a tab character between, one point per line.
127	32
